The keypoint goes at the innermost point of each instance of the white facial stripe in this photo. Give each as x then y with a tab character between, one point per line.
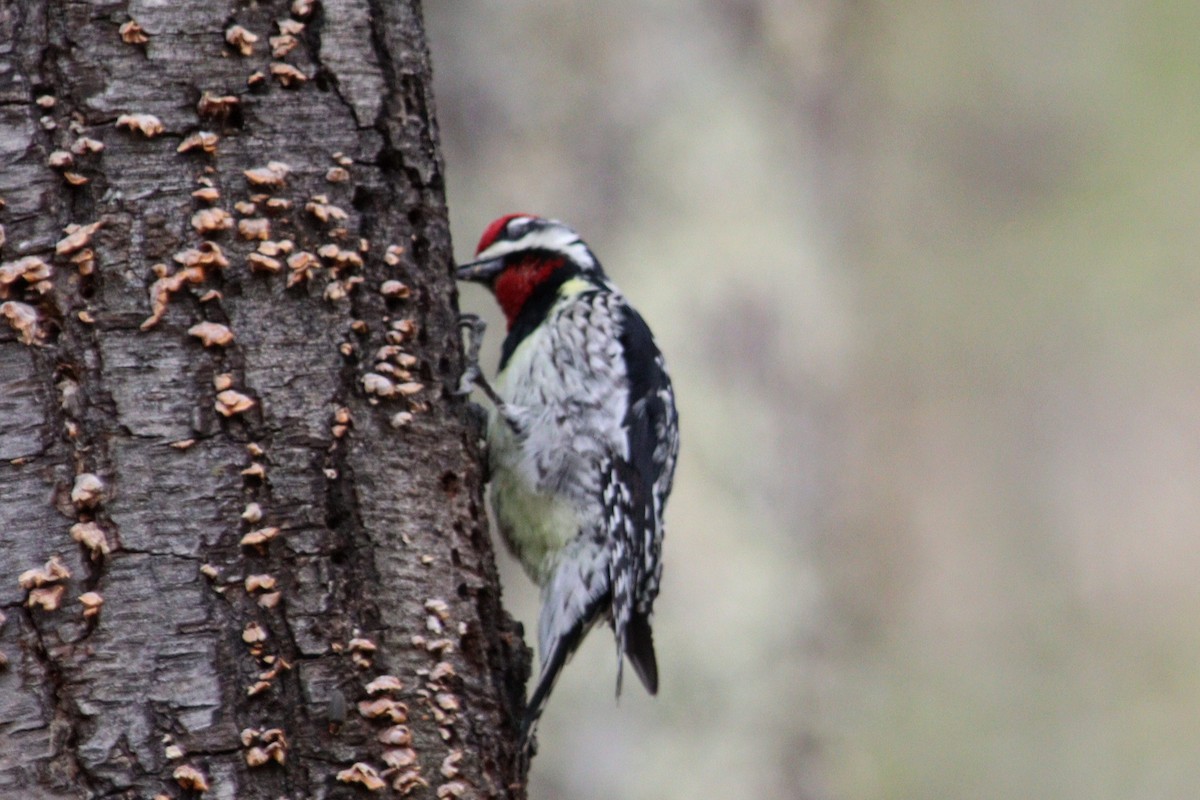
554	237
551	237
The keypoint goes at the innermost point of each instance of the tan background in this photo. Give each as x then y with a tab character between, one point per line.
926	277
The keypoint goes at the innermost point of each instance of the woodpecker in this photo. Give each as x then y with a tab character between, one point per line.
582	441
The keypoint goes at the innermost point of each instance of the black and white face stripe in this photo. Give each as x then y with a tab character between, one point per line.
523	234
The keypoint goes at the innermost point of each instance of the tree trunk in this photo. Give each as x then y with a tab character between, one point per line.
254	492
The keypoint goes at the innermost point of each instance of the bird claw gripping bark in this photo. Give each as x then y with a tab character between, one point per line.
472	378
471	375
477	421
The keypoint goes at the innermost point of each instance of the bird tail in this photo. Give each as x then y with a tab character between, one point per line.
556	646
639	647
548	676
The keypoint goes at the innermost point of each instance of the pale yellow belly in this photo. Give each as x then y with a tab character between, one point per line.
535	525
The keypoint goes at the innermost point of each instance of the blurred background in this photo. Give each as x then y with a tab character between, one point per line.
926	278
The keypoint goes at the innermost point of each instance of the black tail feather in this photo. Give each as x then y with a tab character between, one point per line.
639	646
541	692
552	665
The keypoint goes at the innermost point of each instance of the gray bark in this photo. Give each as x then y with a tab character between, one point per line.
382	535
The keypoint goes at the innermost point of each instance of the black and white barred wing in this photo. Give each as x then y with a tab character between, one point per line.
636	485
623	426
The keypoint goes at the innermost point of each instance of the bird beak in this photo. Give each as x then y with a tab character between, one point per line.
480	271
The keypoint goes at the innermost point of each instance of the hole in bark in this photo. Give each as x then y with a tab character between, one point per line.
464	591
363	199
471	647
455	558
338	557
451	482
371	618
389	160
236	119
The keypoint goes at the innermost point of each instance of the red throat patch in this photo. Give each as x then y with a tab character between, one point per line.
492	232
517	282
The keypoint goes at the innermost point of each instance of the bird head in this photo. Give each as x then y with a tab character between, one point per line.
520	253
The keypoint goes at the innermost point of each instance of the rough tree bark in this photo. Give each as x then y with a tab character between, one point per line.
275	508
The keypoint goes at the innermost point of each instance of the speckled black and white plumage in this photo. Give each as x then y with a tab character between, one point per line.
582	444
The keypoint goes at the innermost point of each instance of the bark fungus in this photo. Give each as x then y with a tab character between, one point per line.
208	534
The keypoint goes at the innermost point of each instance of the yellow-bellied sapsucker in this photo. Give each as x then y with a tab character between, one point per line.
582	442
